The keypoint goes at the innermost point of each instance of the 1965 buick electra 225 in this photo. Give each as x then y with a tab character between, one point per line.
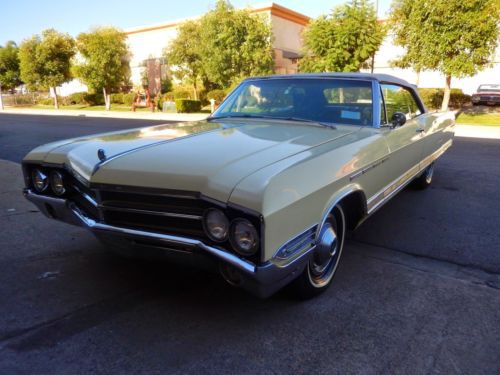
264	189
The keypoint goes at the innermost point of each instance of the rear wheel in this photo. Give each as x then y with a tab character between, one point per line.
425	179
319	272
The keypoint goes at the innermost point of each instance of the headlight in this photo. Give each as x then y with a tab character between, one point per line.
56	183
40	180
244	237
216	225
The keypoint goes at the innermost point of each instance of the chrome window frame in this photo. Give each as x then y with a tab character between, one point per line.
410	89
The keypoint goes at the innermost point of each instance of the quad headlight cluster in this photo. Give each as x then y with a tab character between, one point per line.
240	232
42	181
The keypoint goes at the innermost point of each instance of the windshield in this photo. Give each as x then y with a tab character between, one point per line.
489	88
335	101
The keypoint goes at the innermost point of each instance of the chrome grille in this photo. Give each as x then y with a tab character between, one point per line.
164	213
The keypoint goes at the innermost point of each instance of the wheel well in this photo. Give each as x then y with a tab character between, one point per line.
354	206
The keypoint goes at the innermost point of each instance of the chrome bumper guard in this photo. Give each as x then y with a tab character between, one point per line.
262	280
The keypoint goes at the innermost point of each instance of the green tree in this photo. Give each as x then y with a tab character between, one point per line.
9	66
454	37
235	44
45	61
222	47
104	63
184	53
343	41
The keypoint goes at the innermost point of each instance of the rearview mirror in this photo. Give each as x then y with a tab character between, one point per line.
398	119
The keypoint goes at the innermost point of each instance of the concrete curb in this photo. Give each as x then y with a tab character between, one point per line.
125	115
476	131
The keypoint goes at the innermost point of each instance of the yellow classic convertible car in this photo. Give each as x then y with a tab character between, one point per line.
264	190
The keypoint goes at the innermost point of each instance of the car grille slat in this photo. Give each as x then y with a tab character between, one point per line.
176	214
151	212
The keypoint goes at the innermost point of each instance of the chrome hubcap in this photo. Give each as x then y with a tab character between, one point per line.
326	250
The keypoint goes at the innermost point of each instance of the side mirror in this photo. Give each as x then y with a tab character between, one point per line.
398	119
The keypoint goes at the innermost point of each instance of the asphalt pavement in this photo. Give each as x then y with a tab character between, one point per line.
418	289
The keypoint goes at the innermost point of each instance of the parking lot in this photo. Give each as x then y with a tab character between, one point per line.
417	291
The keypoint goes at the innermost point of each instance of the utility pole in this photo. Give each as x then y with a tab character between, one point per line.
373	56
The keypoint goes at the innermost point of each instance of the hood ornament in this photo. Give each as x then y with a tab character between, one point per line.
101	154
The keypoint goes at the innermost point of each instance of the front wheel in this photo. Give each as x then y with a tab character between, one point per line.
319	272
425	179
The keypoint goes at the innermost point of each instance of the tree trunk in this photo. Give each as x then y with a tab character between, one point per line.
56	102
418	78
447	90
1	101
195	87
107	99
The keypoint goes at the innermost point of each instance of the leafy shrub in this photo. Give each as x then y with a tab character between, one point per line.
433	98
75	98
202	96
181	93
166	85
94	98
233	86
218	95
187	105
46	101
116	98
128	99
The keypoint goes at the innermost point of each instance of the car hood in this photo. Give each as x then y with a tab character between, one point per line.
207	157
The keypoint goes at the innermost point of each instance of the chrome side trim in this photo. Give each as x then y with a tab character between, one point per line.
296	246
149	212
381	197
368	168
390	190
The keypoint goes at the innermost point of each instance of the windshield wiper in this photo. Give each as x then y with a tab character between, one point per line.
298	119
237	116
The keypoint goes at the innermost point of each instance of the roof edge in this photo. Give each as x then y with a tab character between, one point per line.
275	10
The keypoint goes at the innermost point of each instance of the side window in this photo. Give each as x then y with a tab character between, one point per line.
399	99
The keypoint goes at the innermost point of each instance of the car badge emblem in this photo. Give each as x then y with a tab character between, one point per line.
101	154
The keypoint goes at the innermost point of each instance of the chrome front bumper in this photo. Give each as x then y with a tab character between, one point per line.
262	280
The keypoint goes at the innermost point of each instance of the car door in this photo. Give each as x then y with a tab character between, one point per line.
438	134
406	142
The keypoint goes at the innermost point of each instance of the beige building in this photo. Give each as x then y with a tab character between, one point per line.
148	42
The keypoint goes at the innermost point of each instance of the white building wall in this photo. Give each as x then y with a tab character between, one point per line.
145	45
75	85
432	79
